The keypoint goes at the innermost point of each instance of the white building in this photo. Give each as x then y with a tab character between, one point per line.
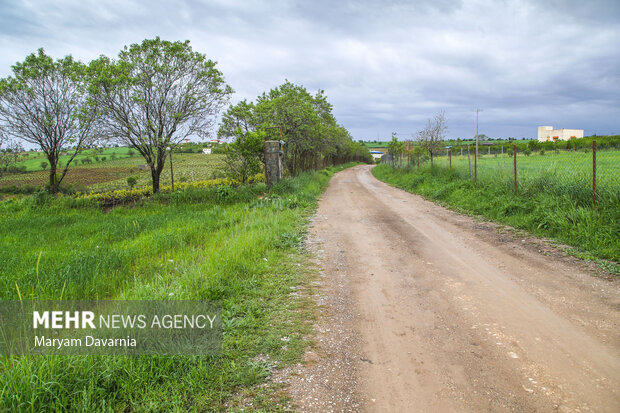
376	154
547	133
206	151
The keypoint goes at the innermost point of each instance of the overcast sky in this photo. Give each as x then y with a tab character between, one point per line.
386	66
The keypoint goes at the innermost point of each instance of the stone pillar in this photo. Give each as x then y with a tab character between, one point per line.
273	162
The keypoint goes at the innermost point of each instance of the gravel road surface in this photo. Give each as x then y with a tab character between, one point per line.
423	309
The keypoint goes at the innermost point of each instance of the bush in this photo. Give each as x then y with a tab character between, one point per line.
224	193
13	169
132	181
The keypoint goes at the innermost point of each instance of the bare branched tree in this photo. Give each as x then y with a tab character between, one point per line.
46	104
10	150
155	95
432	136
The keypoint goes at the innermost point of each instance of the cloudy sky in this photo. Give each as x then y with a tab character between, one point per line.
386	66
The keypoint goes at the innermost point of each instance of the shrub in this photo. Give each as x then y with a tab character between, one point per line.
132	181
224	193
13	169
44	165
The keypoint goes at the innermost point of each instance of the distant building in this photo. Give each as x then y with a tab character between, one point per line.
206	151
376	154
547	133
186	140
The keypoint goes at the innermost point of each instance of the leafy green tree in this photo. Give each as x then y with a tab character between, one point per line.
303	121
395	148
237	117
534	145
243	156
132	181
156	94
43	165
301	118
46	103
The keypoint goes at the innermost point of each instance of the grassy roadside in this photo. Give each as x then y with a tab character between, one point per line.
242	246
594	234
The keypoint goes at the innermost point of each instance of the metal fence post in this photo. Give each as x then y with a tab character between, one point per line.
476	165
450	156
514	151
594	174
469	161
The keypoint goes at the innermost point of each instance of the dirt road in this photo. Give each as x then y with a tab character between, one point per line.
424	309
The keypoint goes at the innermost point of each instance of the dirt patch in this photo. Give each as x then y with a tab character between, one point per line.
75	176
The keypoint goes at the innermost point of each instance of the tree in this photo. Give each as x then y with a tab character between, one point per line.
46	104
395	148
237	117
155	95
243	156
432	136
301	118
9	152
303	121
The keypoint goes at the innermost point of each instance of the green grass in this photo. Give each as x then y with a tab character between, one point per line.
236	247
32	160
545	206
564	173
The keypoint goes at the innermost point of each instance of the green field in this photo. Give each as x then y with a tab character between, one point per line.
564	173
32	160
112	173
554	197
242	246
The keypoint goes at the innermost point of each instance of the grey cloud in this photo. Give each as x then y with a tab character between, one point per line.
385	65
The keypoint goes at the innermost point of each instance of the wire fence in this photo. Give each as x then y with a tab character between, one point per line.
587	176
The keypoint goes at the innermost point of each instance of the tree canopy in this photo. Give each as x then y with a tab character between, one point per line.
45	103
432	136
304	121
156	94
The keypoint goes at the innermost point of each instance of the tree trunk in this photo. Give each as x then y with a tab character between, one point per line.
53	185
155	175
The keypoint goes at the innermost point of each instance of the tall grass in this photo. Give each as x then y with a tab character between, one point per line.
554	209
241	247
